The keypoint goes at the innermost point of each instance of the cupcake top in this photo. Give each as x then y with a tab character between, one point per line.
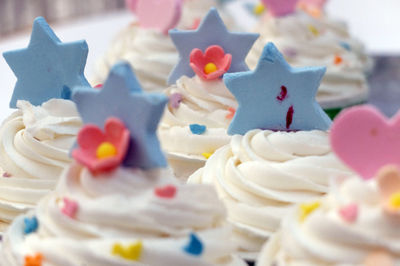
198	96
35	140
306	40
157	220
356	223
279	154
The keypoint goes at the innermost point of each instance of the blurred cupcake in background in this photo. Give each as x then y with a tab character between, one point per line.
201	107
145	44
35	139
307	36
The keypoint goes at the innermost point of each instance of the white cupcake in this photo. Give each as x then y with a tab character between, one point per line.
201	107
150	52
320	41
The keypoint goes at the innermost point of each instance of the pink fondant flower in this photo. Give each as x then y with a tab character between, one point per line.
212	64
100	151
389	186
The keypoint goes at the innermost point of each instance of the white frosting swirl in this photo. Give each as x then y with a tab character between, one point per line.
205	103
344	82
122	207
34	149
325	238
262	174
151	54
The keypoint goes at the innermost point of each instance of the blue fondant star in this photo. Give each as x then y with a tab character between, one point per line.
122	97
212	31
47	68
276	96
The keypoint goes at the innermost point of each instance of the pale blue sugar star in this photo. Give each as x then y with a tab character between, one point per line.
212	31
277	96
47	68
122	97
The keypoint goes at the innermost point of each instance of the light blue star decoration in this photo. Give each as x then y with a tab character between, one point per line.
47	68
276	96
122	97
211	31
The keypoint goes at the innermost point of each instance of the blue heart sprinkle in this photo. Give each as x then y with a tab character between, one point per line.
197	129
345	45
31	225
194	247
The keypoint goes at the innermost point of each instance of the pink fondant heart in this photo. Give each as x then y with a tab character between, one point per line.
161	15
168	191
366	140
280	8
349	213
131	4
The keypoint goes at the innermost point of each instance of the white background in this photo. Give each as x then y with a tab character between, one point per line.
375	22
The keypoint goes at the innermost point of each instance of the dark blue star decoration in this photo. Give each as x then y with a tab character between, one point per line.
47	68
212	31
122	97
276	96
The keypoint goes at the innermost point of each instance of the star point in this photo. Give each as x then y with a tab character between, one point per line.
211	31
47	66
276	96
122	97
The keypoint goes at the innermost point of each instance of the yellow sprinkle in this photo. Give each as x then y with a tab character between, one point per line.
395	200
210	68
307	209
131	252
106	150
259	9
313	30
206	155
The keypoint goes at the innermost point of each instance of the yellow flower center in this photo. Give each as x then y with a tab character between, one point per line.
106	150
307	209
395	200
206	154
259	9
313	30
210	68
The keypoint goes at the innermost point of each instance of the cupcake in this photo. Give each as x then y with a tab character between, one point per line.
35	139
146	44
305	40
279	154
357	222
116	204
201	107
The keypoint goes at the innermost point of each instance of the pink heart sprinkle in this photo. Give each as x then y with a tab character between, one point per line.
5	174
175	99
168	191
70	208
349	213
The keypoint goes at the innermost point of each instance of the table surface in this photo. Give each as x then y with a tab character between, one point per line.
373	24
